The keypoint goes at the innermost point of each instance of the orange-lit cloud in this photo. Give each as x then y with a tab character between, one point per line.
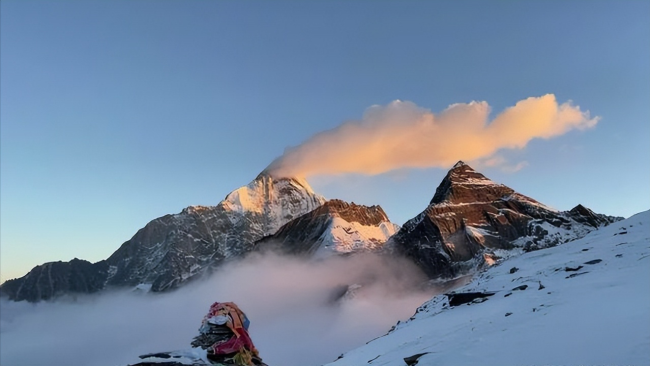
403	135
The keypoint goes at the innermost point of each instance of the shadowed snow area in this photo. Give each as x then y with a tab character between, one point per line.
581	303
300	313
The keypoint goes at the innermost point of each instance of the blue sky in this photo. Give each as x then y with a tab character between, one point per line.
115	113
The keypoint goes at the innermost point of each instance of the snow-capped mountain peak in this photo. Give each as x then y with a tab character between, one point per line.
277	199
461	179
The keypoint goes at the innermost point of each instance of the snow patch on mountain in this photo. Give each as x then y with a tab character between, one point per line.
343	237
584	302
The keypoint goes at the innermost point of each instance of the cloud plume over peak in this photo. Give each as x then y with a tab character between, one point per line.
404	135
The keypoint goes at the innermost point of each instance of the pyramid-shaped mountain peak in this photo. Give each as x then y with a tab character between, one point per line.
462	166
460	183
459	164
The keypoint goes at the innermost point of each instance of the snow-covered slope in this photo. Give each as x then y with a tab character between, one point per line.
336	227
584	302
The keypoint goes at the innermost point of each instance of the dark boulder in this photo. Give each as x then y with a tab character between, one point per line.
594	261
456	299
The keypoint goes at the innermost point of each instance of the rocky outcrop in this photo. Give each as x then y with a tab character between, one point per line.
173	249
460	298
470	214
586	216
336	227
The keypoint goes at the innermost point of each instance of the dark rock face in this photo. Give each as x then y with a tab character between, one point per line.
470	214
53	279
306	234
173	249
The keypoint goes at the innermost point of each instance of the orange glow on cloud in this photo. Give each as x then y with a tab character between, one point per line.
403	135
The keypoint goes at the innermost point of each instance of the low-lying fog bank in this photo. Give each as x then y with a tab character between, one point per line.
298	317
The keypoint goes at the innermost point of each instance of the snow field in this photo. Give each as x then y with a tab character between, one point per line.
596	314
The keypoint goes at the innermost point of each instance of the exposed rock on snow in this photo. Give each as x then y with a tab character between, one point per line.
459	298
413	360
470	214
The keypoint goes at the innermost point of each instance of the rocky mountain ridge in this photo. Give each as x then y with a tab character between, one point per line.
336	227
173	249
469	218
